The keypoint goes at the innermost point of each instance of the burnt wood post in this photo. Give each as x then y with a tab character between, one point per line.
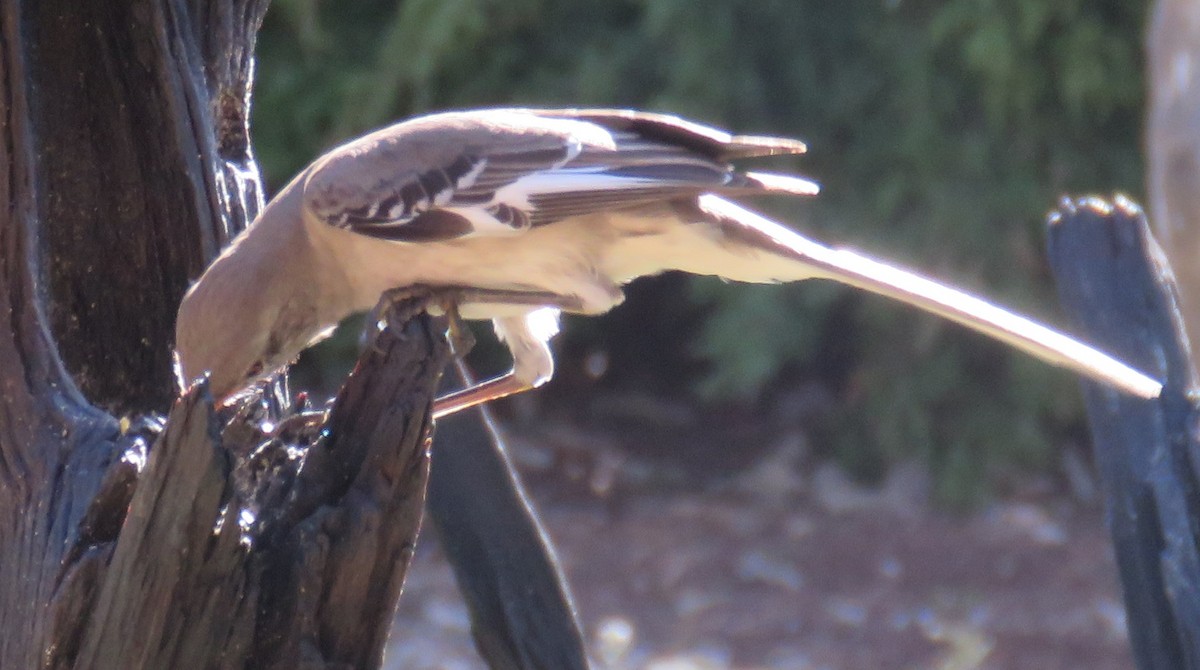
1116	284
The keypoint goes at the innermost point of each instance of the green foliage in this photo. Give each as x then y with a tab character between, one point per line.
942	131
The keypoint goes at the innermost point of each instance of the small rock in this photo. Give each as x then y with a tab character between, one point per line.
613	641
757	566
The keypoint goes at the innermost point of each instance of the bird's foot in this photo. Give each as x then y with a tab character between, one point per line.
398	306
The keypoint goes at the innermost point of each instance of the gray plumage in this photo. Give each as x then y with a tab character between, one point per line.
567	203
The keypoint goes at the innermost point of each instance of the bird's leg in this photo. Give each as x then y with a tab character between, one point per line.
397	306
461	342
532	360
527	336
478	394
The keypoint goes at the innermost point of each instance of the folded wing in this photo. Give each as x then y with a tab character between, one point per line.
505	171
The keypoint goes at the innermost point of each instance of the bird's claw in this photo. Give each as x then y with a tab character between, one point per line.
461	339
398	306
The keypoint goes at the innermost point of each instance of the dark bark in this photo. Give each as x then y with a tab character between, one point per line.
124	165
264	561
138	111
1116	284
338	544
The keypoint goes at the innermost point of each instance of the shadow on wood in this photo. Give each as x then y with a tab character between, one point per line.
522	615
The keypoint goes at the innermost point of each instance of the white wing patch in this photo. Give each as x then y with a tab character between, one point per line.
468	179
564	180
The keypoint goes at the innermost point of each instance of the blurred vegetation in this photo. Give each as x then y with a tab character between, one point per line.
941	131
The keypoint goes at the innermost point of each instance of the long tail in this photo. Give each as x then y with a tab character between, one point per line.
790	256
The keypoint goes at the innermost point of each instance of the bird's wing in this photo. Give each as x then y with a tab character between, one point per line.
503	171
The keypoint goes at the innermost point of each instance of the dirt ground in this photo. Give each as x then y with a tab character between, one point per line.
780	566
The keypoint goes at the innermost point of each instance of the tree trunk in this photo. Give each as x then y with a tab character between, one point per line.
125	164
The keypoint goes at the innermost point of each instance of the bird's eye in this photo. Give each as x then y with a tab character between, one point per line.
255	369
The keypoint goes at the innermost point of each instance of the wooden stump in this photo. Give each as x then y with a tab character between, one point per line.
1115	282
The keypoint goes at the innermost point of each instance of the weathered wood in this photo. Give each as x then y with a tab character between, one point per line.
338	551
53	445
124	165
521	611
221	562
173	553
1116	284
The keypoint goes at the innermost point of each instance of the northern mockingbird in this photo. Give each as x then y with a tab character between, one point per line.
529	212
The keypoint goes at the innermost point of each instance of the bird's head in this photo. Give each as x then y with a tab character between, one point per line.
232	343
255	307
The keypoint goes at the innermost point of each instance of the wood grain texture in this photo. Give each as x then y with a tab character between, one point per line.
143	171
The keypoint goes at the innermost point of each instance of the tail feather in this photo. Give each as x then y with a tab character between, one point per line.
705	140
756	146
802	258
782	183
744	184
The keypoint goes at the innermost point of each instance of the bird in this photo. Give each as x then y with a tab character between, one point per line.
520	214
